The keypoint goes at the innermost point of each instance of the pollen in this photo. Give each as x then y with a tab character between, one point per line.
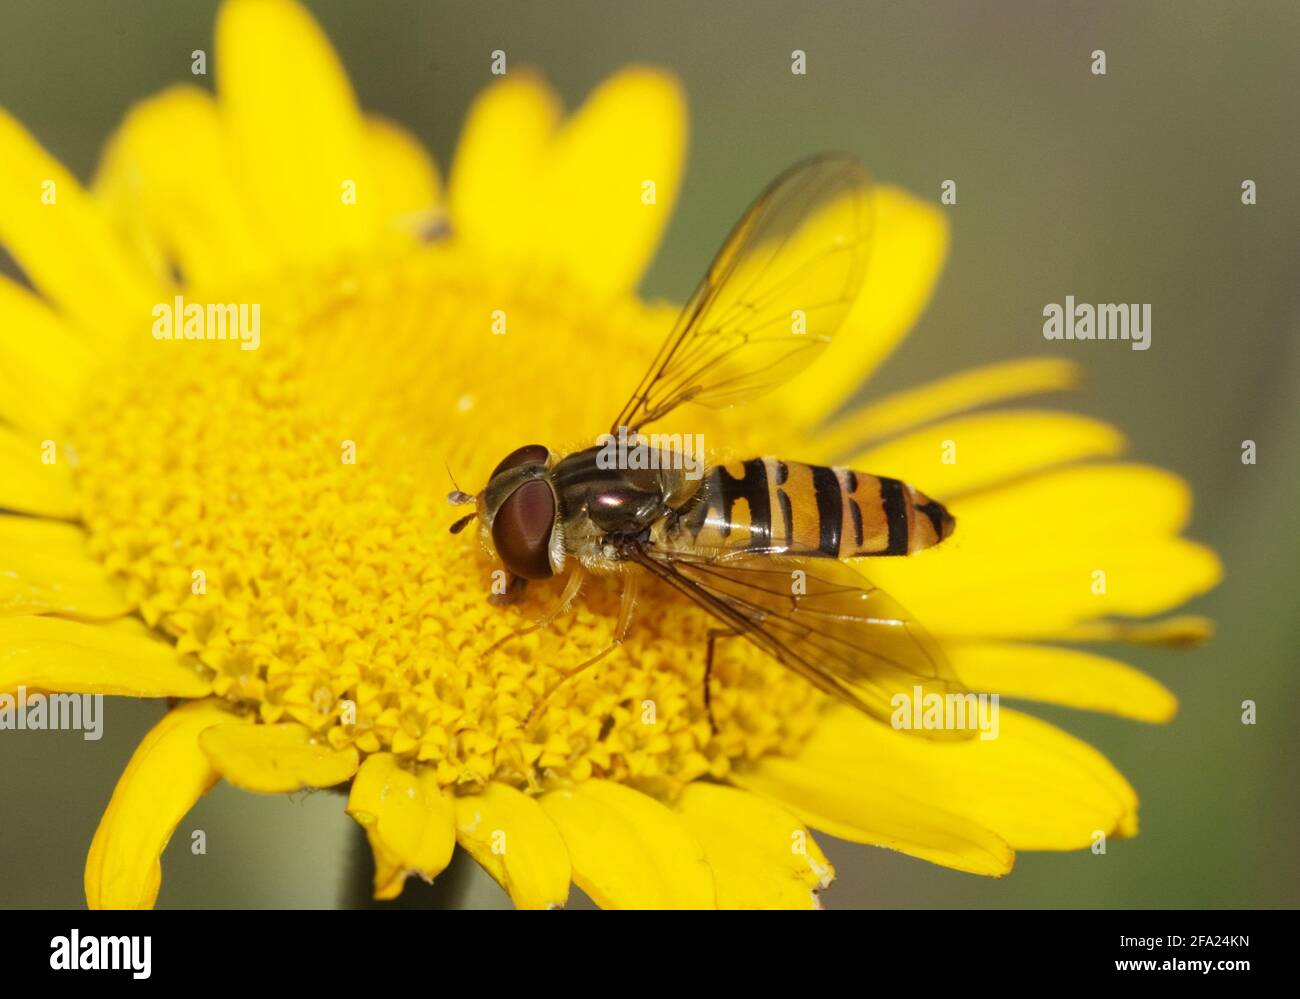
282	514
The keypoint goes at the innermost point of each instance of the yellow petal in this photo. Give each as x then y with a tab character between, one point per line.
297	137
67	246
946	397
510	836
36	475
166	776
1071	677
972	452
167	171
275	759
43	364
610	180
1041	592
762	856
1184	631
1034	785
908	245
49	653
1107	502
409	820
406	178
875	808
45	568
1039	556
629	851
498	159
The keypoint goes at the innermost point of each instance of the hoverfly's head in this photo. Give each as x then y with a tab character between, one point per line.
518	510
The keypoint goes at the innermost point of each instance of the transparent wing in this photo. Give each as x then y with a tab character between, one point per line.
822	619
773	297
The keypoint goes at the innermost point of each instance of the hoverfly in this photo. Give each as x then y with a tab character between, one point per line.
756	543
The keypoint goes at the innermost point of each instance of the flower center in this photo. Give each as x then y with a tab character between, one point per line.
282	514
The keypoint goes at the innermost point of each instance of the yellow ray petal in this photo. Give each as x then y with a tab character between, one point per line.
1040	592
411	824
297	137
167	171
762	856
49	653
966	390
871	807
510	836
166	776
1184	631
1034	785
1039	557
32	535
1067	506
43	364
498	158
406	178
45	568
657	863
31	484
972	452
275	759
908	245
1071	677
609	181
63	241
1024	557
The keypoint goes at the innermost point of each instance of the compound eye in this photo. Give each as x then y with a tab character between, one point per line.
529	454
521	530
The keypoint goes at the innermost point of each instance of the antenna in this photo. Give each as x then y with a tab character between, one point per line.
457	497
459	526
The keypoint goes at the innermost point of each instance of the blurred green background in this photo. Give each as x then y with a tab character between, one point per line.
1117	188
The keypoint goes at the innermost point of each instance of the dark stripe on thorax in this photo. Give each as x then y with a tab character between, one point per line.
580	469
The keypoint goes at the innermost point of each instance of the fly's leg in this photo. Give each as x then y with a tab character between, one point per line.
624	625
571	589
714	635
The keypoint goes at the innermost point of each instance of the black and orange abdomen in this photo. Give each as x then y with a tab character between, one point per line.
787	507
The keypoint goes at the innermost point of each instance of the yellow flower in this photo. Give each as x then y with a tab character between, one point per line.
260	536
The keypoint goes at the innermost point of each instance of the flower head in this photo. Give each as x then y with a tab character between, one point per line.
255	528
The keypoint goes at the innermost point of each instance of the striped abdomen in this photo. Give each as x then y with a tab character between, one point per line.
770	505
